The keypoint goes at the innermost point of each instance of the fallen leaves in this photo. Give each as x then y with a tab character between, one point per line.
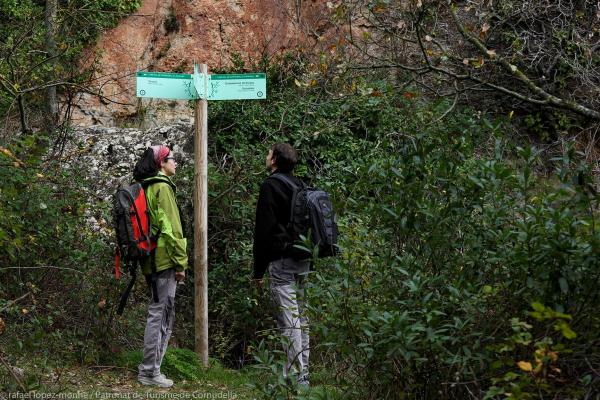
16	162
484	28
525	366
6	152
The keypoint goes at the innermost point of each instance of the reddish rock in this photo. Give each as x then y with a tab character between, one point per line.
170	35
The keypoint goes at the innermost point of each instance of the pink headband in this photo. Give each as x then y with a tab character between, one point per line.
160	152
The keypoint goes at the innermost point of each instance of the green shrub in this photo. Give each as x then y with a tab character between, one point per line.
446	245
450	232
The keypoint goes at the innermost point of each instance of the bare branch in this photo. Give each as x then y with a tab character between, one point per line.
10	303
448	110
12	372
517	73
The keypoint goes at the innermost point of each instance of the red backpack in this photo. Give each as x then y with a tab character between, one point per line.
133	228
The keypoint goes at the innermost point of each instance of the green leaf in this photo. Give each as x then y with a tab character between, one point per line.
565	329
538	306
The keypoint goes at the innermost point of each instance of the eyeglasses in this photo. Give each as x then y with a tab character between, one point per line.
169	158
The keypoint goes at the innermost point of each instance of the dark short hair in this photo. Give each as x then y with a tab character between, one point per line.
285	157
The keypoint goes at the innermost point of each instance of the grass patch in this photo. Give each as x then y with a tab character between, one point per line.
119	380
184	367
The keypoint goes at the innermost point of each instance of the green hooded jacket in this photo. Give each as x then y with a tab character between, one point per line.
171	248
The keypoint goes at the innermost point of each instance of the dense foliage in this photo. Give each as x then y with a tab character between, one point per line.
516	55
469	265
30	63
50	264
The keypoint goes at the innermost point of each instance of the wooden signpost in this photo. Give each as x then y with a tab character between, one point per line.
201	87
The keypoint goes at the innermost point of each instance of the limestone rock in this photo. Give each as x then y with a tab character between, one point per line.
105	158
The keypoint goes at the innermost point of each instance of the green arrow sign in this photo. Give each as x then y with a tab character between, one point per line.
165	85
237	87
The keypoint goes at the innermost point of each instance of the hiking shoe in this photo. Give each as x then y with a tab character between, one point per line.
167	379
303	381
158	380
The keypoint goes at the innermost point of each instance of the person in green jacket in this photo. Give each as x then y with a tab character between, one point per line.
155	168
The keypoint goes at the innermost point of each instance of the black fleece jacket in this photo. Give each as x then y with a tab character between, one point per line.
272	241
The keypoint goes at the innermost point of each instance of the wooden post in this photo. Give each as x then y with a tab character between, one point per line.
201	225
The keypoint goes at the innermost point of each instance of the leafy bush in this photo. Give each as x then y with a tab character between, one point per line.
48	249
450	232
447	244
469	264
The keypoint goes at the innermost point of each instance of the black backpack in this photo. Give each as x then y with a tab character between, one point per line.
311	215
133	228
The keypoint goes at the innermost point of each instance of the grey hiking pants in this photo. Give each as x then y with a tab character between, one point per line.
159	324
287	280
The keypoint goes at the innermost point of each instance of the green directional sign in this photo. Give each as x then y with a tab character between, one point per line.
165	85
237	86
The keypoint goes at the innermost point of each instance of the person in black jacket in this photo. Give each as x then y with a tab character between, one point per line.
273	250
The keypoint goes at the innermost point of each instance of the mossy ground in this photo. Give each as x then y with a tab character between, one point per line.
46	380
119	381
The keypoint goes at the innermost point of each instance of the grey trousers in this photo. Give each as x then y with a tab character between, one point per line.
287	280
159	324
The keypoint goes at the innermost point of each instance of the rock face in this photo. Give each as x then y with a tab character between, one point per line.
105	158
107	155
170	35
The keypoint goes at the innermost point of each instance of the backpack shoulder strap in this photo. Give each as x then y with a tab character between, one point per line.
127	291
283	178
150	181
295	189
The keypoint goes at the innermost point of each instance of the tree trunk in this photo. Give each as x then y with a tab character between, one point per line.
23	117
51	99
